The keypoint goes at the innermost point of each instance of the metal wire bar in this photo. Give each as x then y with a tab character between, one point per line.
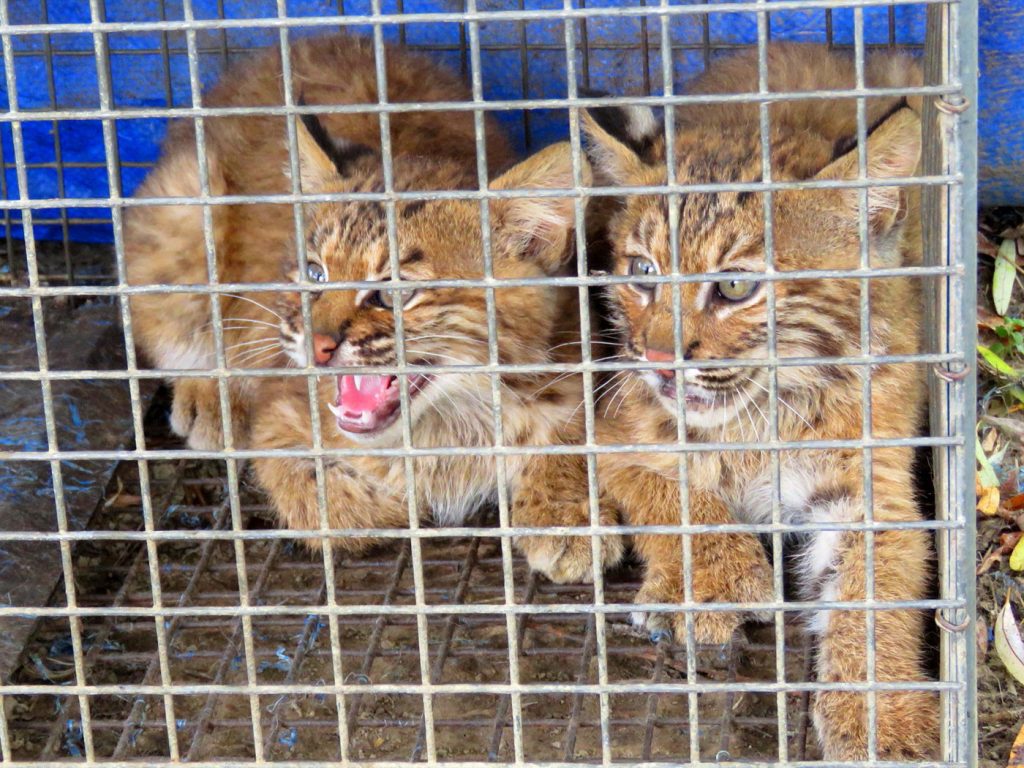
440	621
450	625
489	532
231	646
706	45
154	668
582	676
495	105
373	644
505	703
470	15
207	200
485	764
38	321
92	655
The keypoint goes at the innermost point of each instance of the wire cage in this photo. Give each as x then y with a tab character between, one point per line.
151	609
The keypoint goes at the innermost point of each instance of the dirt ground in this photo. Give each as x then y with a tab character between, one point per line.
1000	697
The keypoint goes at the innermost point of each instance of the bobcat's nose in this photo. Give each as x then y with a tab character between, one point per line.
660	356
323	348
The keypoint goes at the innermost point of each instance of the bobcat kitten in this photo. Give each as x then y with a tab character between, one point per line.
725	320
248	155
437	240
348	241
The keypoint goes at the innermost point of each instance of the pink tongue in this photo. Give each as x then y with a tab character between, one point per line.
370	393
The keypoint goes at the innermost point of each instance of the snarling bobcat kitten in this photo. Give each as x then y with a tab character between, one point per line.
445	326
727	320
248	155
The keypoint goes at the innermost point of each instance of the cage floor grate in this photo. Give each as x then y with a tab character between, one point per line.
373	649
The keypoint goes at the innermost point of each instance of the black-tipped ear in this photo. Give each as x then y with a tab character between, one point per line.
620	139
322	158
893	151
849	143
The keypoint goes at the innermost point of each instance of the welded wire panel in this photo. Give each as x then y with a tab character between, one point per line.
294	649
185	624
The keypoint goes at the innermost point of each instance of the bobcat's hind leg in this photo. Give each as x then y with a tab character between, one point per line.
907	722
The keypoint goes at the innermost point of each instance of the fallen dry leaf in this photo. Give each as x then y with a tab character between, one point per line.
988	501
981	634
1014	502
988	319
990	559
1009	644
1017	556
1007	541
1017	751
1008	427
988	443
986	246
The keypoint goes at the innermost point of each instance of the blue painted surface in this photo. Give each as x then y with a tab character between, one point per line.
139	78
1001	102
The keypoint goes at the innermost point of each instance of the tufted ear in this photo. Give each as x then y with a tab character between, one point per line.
620	139
323	159
539	228
893	152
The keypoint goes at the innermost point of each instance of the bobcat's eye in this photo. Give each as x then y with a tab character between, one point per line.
642	267
386	299
736	290
316	272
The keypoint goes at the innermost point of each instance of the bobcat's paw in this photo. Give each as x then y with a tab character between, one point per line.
709	627
569	559
195	416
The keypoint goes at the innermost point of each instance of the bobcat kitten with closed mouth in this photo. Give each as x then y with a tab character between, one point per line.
724	232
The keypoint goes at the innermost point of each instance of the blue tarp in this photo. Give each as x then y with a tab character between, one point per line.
142	76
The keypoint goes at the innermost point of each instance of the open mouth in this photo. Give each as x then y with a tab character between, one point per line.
697	398
367	404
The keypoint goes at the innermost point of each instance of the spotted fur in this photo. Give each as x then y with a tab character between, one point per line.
725	232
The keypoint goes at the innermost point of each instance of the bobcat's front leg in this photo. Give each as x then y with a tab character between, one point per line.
354	500
250	340
727	567
196	413
553	491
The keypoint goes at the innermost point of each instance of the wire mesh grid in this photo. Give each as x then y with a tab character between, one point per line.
208	637
376	648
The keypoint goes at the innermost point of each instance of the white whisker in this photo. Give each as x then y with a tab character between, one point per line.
783	402
264	340
264	307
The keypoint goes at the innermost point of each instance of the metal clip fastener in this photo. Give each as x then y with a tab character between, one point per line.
942	623
943	105
953	376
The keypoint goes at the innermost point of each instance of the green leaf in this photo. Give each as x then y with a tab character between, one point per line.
1004	276
986	473
1017	393
994	360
